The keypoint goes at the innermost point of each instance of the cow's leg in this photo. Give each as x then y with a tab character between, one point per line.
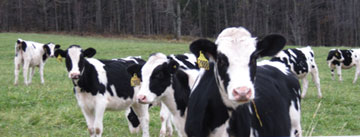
305	84
357	71
133	120
316	79
17	62
295	118
41	71
332	74
89	117
142	111
25	72
338	69
165	117
99	116
32	71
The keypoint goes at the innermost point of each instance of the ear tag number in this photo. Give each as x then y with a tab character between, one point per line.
59	58
202	61
134	81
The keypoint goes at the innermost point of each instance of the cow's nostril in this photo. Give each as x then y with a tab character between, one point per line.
242	94
142	98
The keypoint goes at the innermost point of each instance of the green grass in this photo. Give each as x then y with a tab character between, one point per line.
51	109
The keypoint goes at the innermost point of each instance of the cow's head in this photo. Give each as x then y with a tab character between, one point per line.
50	49
75	59
335	54
156	77
235	53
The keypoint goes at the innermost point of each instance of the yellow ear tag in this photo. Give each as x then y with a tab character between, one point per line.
336	54
134	81
202	61
174	66
59	58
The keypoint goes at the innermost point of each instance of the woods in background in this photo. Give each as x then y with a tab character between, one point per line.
302	22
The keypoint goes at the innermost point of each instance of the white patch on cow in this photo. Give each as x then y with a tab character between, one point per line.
74	54
99	67
146	71
295	116
238	45
220	131
132	58
280	66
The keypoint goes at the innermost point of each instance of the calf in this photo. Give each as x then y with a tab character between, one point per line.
344	59
301	61
101	85
29	54
169	79
263	99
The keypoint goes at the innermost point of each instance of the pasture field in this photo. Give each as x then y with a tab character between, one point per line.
51	109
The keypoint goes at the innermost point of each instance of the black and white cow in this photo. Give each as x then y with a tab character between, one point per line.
301	61
30	54
101	85
169	79
344	59
263	99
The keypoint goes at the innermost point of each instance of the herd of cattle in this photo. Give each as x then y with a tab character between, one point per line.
218	90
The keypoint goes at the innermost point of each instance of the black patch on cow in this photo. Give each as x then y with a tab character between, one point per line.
347	57
222	66
183	59
160	79
23	46
312	54
182	90
206	110
335	62
299	61
89	81
118	76
132	117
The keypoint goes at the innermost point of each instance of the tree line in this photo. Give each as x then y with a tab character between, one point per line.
302	22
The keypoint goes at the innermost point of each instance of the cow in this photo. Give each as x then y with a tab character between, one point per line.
169	79
301	61
262	99
30	54
101	85
344	59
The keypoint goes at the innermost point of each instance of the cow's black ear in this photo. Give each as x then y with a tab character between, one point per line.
60	52
89	52
207	47
270	45
173	66
134	69
57	46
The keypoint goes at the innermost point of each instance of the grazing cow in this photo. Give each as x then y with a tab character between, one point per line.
101	85
169	79
301	61
263	99
29	54
344	59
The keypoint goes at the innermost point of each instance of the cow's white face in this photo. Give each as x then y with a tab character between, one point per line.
50	49
75	59
156	79
235	52
235	47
